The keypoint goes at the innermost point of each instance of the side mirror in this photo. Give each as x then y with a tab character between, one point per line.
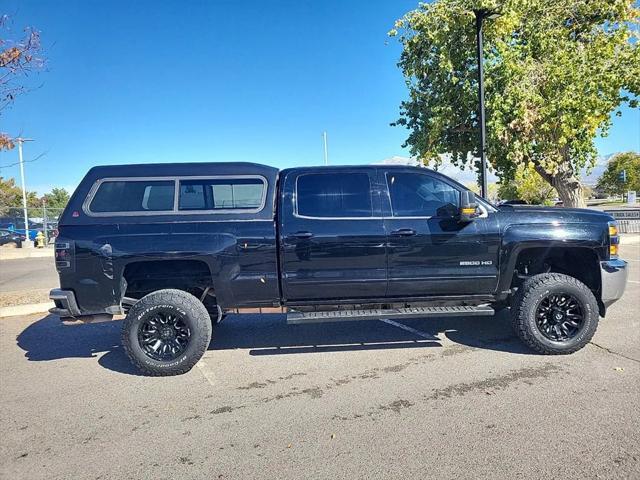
468	207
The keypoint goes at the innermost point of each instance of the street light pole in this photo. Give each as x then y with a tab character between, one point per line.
20	141
44	220
480	16
326	154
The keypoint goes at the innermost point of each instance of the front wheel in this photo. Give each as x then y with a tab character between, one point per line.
166	332
555	314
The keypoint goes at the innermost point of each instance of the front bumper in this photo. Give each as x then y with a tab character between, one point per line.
613	274
66	305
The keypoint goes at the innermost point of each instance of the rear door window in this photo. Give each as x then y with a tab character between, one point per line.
116	196
334	195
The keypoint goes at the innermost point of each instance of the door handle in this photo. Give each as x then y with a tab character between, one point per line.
302	235
403	232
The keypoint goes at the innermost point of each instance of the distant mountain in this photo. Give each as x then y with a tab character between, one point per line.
466	176
398	160
596	172
446	168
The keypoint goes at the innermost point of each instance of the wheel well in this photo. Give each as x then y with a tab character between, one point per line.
145	277
580	263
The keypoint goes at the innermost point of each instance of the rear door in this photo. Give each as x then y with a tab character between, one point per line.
333	243
430	252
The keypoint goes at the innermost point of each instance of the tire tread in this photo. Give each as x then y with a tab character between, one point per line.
522	301
187	302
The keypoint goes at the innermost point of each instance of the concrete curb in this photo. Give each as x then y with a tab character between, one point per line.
29	309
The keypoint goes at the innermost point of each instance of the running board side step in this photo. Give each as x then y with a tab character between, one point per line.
391	313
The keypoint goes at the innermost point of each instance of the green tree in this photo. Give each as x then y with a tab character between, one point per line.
610	180
57	198
555	72
11	196
527	185
492	193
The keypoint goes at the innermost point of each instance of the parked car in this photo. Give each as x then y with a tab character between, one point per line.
17	225
7	237
176	246
6	225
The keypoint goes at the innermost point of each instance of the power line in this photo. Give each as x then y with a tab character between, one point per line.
26	161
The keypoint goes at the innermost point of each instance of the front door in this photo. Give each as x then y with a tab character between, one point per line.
430	252
333	243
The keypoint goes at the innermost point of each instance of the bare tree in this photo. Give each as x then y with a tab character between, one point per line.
20	56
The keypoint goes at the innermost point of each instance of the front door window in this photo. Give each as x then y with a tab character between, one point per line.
415	195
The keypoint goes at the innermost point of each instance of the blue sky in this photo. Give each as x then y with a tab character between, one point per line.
173	81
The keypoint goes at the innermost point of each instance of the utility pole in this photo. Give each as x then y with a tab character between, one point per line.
480	16
44	221
20	141
326	154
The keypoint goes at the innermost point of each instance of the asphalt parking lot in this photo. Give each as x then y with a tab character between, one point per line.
24	273
444	398
26	280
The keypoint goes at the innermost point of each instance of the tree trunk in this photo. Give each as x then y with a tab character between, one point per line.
570	191
566	184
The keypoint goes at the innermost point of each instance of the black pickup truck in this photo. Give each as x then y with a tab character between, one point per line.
177	246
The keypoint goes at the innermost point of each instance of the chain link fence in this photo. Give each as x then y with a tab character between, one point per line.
40	219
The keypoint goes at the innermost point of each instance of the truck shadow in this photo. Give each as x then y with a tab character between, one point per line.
270	335
48	339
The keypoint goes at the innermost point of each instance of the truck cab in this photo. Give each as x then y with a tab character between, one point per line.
321	244
382	233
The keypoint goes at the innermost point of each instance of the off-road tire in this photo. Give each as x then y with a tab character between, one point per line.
525	306
193	313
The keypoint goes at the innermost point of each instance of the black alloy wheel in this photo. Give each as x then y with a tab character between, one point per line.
164	336
166	332
559	317
554	313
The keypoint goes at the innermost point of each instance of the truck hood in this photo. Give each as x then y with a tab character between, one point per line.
538	214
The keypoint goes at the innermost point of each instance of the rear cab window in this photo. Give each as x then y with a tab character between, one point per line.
133	196
115	196
237	194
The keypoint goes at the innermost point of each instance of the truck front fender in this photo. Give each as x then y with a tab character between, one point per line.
518	238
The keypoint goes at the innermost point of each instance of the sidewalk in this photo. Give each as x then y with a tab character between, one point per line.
16	310
14	253
630	239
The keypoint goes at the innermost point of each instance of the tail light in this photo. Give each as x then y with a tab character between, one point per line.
64	254
614	240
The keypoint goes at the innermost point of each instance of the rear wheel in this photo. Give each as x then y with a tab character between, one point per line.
555	314
166	332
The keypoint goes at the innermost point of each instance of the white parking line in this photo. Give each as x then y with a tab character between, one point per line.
205	373
409	329
633	281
